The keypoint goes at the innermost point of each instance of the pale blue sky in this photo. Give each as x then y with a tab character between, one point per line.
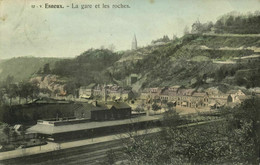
68	32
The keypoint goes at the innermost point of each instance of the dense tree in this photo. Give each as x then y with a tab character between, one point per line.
165	38
7	132
198	27
33	90
174	37
28	90
46	69
14	135
24	90
1	97
233	140
88	67
12	91
156	107
238	23
71	88
246	121
170	105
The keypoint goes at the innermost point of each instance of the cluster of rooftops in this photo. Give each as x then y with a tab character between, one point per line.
106	91
193	98
181	91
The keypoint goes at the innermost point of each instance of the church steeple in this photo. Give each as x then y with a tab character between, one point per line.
134	43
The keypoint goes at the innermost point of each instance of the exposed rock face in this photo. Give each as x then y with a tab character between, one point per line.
50	82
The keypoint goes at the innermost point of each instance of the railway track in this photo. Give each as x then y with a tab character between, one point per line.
90	154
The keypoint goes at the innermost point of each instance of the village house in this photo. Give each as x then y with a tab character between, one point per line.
201	99
213	91
155	93
114	93
127	94
99	91
152	94
181	97
105	92
164	94
86	91
236	96
217	98
145	94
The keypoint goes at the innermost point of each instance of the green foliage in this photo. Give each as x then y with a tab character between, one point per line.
198	27
248	76
172	119
22	90
139	109
111	157
165	38
160	69
46	68
30	113
239	24
87	68
156	107
233	140
71	88
7	130
170	105
177	62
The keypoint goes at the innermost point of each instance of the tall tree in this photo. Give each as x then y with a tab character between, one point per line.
7	131
12	92
34	90
25	90
46	69
233	140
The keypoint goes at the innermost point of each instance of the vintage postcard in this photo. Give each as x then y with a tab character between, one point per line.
132	82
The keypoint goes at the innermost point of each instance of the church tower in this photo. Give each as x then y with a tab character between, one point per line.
134	43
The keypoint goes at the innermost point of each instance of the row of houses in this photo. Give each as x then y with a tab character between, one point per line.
105	92
184	97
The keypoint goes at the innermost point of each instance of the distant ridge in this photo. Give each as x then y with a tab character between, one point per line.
21	68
